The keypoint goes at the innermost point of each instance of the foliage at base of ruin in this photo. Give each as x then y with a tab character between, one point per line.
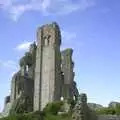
53	108
21	105
49	113
38	116
53	111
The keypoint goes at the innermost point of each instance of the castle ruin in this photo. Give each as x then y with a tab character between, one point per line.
46	73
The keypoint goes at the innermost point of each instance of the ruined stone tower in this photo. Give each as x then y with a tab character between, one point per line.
47	85
45	75
67	69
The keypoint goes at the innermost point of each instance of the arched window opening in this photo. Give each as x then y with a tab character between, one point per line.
27	68
47	40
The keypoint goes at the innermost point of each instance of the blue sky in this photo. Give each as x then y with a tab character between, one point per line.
90	27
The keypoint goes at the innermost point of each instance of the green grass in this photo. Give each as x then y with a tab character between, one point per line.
38	116
24	117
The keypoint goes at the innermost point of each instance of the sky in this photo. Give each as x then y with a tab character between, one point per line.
90	27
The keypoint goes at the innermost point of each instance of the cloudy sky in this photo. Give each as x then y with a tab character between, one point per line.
90	27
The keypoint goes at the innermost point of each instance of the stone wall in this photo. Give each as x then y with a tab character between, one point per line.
22	85
47	71
67	66
67	72
45	74
69	88
82	111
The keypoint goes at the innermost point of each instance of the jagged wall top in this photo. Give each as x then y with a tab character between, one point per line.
68	51
53	29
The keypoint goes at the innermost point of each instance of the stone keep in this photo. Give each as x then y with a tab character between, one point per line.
47	87
45	74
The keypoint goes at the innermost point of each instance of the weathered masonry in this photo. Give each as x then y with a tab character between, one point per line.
45	75
48	61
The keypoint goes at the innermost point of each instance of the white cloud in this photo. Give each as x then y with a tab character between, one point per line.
9	64
17	11
23	46
5	3
46	7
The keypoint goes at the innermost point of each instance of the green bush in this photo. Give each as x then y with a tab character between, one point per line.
117	109
53	108
106	111
72	103
30	116
58	117
49	113
110	110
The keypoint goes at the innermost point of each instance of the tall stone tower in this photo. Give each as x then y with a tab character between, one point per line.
47	85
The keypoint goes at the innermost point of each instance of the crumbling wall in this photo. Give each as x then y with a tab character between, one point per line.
22	85
69	89
82	111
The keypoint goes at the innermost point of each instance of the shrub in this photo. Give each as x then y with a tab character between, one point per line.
117	109
72	103
53	108
106	111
